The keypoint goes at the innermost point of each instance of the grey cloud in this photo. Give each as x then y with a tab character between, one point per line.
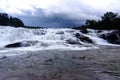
68	13
55	20
52	20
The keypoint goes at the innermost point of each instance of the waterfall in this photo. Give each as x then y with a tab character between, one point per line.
48	38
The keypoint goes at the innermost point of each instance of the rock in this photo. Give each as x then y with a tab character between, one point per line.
113	37
3	57
103	36
77	35
99	31
22	44
71	41
14	45
84	31
60	32
117	41
86	39
83	38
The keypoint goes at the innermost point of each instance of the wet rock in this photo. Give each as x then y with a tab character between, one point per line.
83	38
21	44
3	57
84	31
99	31
117	41
113	37
71	41
60	32
86	39
77	35
14	45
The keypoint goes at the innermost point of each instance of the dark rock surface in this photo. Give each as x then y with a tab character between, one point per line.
83	38
113	37
21	44
84	31
14	45
71	41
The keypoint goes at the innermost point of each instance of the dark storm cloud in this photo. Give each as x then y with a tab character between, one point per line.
54	20
41	18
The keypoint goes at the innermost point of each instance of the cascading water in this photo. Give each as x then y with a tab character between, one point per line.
32	39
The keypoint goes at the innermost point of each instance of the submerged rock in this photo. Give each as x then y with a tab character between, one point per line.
3	57
60	32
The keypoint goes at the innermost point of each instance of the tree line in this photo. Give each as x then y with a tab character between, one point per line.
108	21
6	20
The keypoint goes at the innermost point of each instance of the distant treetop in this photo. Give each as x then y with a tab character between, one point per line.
108	21
6	20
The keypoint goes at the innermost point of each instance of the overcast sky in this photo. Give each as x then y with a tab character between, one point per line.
58	13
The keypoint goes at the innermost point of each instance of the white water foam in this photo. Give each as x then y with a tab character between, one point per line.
47	39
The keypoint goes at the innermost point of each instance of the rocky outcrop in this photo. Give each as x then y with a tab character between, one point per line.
83	38
113	37
14	45
21	44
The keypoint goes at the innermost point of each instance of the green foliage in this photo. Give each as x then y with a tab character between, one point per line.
109	16
5	20
108	21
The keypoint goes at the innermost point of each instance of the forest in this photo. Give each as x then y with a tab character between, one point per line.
108	21
6	20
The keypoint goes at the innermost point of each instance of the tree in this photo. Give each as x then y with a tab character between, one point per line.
5	20
91	23
109	16
17	22
109	20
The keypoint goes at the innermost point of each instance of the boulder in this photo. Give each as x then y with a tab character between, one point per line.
71	41
99	31
83	38
113	37
21	44
14	45
86	39
84	31
117	41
